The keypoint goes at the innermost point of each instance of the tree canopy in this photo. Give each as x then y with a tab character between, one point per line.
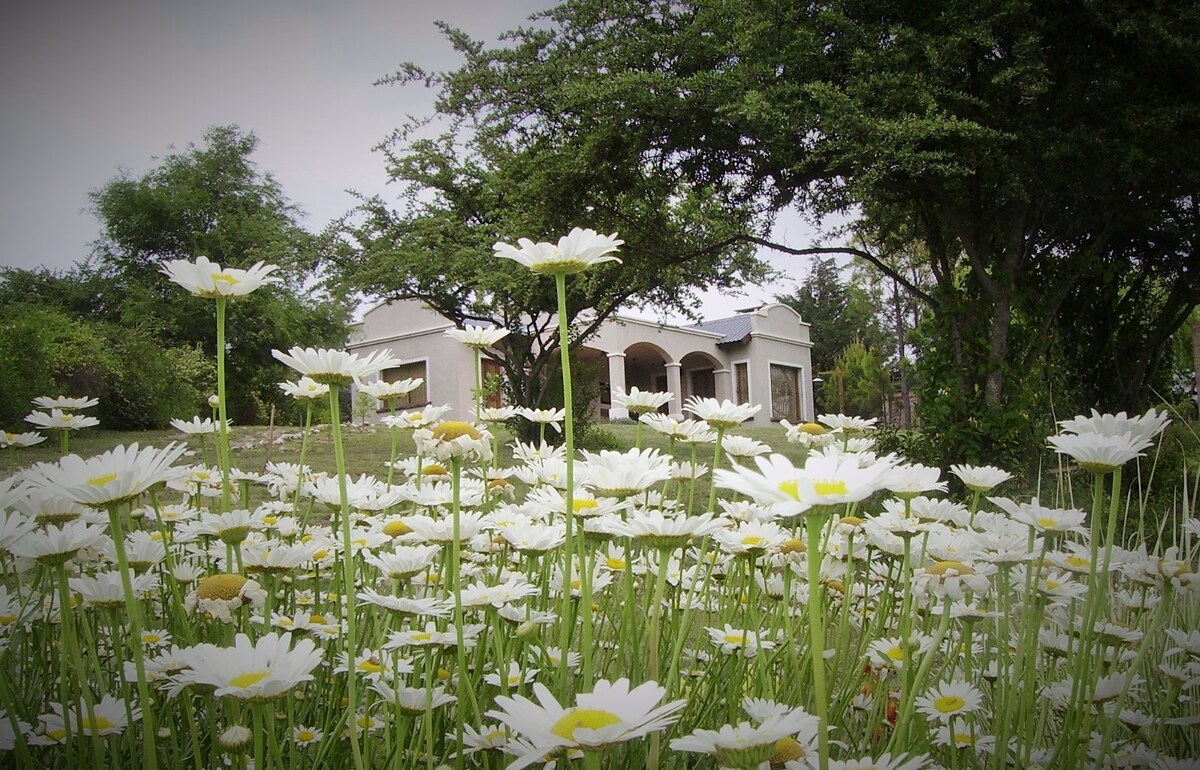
1041	156
144	344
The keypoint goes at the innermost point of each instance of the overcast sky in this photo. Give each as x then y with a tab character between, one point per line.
89	88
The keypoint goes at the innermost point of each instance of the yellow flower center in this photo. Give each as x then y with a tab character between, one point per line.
370	666
896	653
248	679
7	620
95	725
1078	561
737	639
585	504
434	469
592	719
422	636
318	618
786	750
396	529
813	429
790	488
452	429
1051	584
305	735
752	540
1047	522
226	277
793	545
613	562
99	481
223	587
831	488
151	638
942	568
948	704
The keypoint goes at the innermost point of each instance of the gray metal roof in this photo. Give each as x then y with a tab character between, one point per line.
735	329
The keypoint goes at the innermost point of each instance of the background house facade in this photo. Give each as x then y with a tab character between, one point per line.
759	356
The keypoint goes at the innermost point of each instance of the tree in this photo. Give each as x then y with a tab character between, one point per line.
212	200
839	311
1027	149
465	194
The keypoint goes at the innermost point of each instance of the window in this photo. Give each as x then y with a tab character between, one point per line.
785	393
741	383
414	398
492	375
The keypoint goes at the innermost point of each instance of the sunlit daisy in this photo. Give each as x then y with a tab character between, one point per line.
336	367
612	713
253	672
948	700
204	278
574	253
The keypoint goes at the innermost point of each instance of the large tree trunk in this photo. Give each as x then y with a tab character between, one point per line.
1196	356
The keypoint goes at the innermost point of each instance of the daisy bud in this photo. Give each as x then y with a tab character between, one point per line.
235	738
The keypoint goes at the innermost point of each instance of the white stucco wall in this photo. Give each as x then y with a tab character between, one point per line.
778	335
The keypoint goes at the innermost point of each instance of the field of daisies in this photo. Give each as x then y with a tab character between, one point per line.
714	605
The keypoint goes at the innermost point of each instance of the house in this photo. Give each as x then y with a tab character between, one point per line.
759	356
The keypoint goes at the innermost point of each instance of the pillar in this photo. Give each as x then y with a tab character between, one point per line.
675	385
616	384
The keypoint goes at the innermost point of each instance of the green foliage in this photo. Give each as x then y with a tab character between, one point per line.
1039	159
858	382
141	342
139	383
839	313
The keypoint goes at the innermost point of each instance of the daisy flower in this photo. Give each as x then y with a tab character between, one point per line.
980	478
304	736
478	337
747	744
198	427
739	640
612	713
119	474
206	279
20	439
384	390
1098	452
638	402
1142	427
721	414
948	700
109	717
65	402
305	387
574	253
57	419
883	762
621	474
253	673
336	367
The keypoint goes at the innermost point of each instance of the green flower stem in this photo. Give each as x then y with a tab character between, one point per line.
64	442
564	342
712	475
335	416
1160	616
813	525
656	602
308	412
222	424
133	612
25	759
478	383
465	686
1069	740
900	737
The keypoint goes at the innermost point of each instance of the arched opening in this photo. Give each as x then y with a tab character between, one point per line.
698	376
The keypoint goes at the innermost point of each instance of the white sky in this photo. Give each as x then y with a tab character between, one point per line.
89	88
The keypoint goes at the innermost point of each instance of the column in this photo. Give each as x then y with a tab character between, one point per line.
616	384
675	385
723	380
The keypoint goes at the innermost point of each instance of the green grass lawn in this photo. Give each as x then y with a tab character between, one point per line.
367	448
